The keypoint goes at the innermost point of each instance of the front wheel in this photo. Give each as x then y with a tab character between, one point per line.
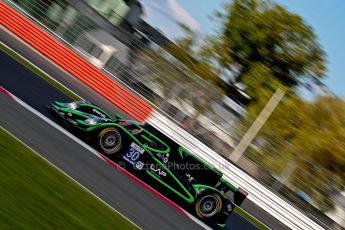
208	206
110	141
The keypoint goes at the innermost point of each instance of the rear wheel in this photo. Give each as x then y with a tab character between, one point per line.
110	141
208	206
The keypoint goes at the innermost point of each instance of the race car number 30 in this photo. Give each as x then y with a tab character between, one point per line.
133	154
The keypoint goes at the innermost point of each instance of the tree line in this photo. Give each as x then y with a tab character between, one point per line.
261	46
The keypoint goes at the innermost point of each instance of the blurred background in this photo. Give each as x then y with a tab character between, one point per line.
218	86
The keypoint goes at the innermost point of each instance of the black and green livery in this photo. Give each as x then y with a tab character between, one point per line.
154	158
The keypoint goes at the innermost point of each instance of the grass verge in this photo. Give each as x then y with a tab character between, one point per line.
35	195
251	219
39	72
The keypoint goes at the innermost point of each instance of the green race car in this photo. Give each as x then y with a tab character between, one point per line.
154	158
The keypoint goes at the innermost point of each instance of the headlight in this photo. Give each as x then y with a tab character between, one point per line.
91	121
72	105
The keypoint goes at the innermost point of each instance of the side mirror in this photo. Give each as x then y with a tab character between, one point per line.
118	116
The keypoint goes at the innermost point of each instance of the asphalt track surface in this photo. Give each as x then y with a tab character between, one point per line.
106	182
116	189
37	93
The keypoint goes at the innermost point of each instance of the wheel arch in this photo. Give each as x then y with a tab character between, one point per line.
201	188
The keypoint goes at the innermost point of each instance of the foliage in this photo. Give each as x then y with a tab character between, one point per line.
257	34
186	50
312	134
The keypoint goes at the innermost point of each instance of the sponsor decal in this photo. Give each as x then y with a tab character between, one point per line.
137	147
139	165
164	157
157	170
133	154
189	177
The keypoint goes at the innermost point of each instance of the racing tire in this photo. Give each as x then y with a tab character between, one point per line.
208	206
110	141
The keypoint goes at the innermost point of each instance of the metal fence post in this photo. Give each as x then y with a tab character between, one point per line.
257	125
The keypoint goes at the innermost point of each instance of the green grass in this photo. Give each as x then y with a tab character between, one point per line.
251	219
35	195
39	72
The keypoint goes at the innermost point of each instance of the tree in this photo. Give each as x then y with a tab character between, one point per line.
186	49
312	134
259	35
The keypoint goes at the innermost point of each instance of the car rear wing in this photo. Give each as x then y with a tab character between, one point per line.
239	196
239	193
